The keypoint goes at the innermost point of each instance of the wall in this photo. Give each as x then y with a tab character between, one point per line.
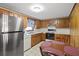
74	25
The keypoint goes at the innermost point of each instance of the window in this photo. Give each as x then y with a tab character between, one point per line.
30	24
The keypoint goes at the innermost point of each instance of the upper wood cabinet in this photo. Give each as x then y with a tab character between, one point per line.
62	23
44	23
38	24
25	22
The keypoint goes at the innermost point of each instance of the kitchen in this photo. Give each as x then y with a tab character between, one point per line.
48	30
54	22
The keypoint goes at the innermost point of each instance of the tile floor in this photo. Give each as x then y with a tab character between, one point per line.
34	51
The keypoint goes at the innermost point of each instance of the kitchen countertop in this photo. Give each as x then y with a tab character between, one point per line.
45	30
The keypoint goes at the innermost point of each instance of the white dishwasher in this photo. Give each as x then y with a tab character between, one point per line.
27	41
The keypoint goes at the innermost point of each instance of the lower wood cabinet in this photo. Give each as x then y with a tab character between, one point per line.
43	35
63	38
35	39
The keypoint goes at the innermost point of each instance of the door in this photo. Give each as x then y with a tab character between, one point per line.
14	47
14	24
1	41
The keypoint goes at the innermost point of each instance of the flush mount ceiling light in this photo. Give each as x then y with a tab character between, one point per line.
37	8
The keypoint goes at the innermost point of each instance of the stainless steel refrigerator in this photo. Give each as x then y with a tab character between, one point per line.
11	36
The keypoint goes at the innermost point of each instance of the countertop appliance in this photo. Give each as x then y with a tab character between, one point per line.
11	35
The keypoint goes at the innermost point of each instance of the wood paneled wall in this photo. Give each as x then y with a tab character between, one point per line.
74	25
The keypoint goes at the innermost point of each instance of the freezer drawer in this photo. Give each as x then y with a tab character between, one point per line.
12	44
1	45
15	44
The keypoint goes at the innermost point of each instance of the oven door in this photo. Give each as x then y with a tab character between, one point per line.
50	36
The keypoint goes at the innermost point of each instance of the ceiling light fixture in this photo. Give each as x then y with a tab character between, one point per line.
37	8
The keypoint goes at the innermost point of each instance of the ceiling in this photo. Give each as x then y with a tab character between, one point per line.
51	10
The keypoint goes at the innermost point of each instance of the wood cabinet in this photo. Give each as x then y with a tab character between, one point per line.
62	23
38	24
25	22
44	23
63	38
35	39
41	23
43	36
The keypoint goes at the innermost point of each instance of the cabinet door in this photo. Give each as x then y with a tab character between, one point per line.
35	39
62	23
24	22
38	24
59	37
63	38
43	36
44	23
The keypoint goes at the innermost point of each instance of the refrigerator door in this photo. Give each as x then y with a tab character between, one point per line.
14	24
1	17
14	47
1	41
1	45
